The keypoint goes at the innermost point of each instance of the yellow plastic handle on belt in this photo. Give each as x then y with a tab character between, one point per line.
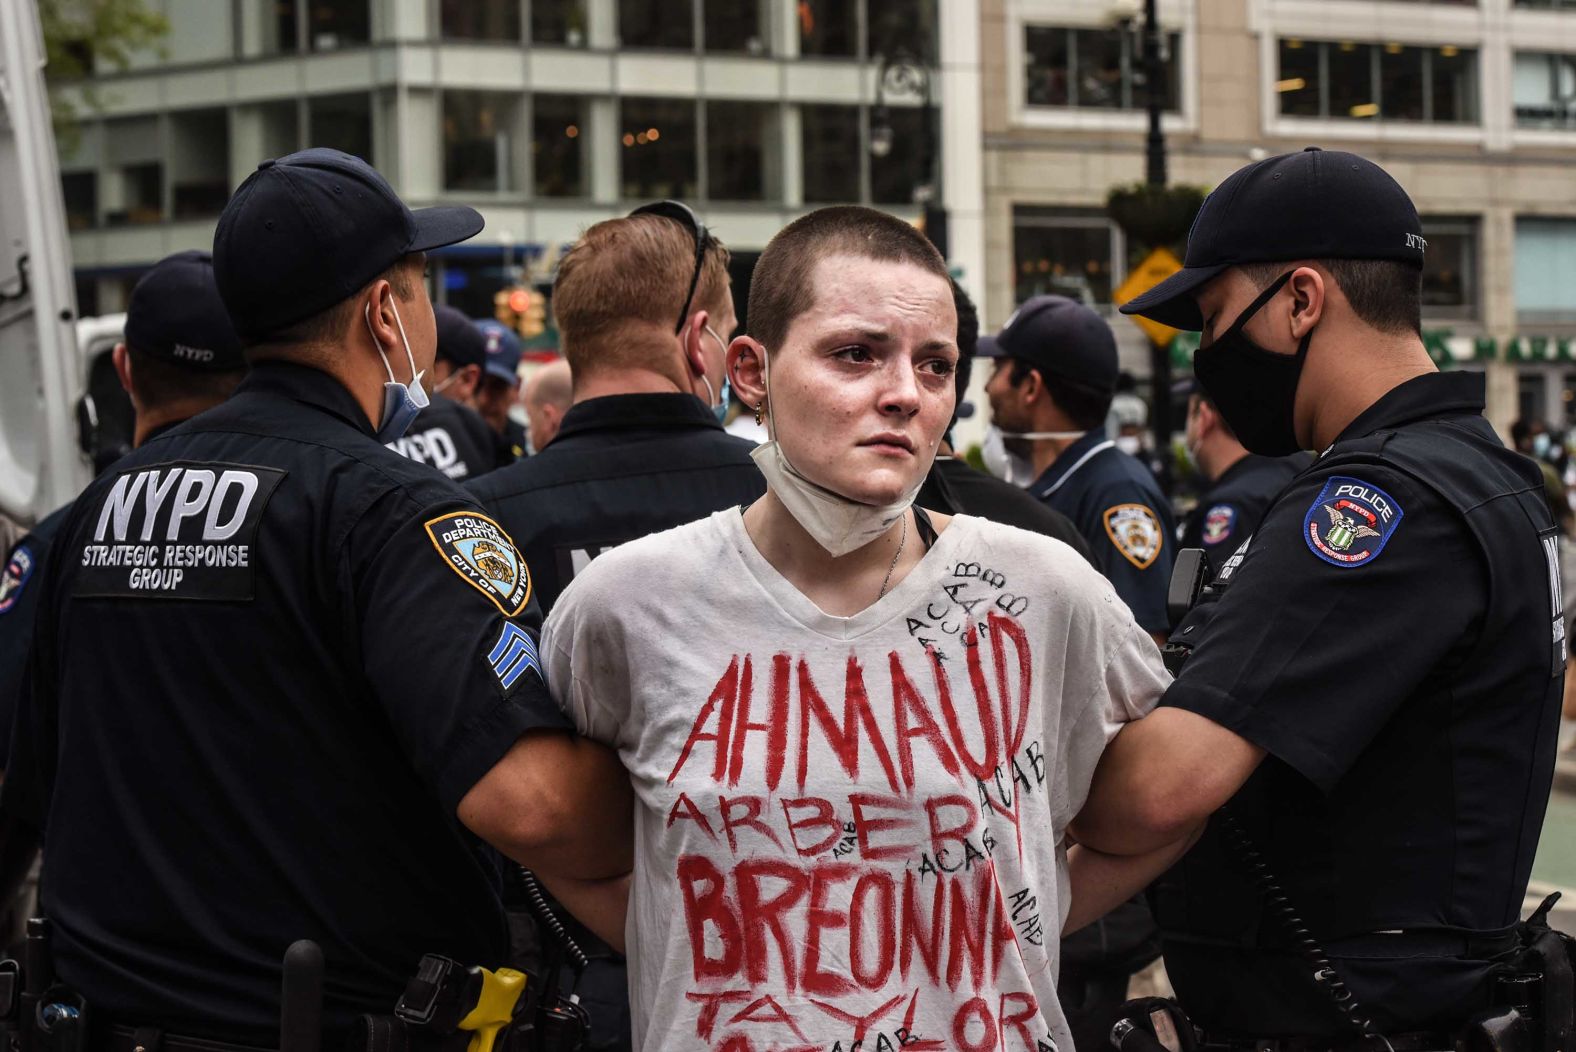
501	991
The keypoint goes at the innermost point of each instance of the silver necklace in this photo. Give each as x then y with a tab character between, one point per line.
902	540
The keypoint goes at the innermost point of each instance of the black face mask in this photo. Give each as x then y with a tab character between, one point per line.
1254	389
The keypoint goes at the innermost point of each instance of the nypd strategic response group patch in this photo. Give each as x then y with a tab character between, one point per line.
17	570
1218	522
1350	522
1136	533
476	548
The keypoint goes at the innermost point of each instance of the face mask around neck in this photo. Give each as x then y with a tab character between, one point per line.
401	402
838	524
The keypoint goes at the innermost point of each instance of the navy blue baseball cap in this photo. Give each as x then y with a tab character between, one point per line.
310	230
1316	204
175	314
1059	337
459	340
503	350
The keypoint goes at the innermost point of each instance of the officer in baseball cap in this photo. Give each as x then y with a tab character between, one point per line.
1373	693
497	388
179	356
312	680
1055	375
449	435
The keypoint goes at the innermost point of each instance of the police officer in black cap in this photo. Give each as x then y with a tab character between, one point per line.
1374	693
1240	485
449	435
1055	376
180	356
281	673
645	312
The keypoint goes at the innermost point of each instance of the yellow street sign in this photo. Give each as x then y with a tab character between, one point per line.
1156	267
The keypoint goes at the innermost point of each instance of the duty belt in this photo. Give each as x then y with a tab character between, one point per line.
116	1038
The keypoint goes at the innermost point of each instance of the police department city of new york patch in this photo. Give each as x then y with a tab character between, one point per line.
1135	532
477	549
1350	522
1218	522
15	575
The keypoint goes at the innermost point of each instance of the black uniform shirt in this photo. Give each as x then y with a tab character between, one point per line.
1229	512
19	590
956	488
620	467
1117	505
450	437
1386	638
274	657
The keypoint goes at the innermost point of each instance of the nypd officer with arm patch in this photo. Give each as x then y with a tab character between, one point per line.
247	729
1375	692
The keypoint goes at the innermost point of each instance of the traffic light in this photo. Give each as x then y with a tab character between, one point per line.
523	309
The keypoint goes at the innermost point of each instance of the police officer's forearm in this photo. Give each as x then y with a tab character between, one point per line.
600	905
559	804
1101	882
1159	778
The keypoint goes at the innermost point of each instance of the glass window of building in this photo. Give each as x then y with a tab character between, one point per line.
80	190
743	156
1545	90
279	128
479	20
335	24
1389	81
480	137
558	145
1545	259
903	27
657	24
133	192
828	28
561	22
1069	252
737	25
897	160
657	148
199	158
1450	268
276	23
831	154
200	31
343	122
1093	68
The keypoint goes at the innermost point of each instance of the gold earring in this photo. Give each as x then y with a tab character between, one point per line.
758	406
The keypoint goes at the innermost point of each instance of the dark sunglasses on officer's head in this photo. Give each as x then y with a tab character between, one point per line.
681	214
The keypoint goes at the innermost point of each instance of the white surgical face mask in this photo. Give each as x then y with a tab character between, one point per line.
1129	444
1010	466
838	524
401	402
719	405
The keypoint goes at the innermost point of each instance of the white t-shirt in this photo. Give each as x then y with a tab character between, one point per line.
849	828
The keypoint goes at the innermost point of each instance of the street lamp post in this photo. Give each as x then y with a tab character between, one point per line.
1155	175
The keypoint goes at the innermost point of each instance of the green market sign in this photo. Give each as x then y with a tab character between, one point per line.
1445	348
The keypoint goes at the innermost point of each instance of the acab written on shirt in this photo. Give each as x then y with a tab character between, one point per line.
880	914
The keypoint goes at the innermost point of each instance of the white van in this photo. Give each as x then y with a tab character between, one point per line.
41	372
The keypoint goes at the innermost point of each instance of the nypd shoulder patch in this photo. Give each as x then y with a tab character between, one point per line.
476	548
1350	522
17	570
1218	522
1135	532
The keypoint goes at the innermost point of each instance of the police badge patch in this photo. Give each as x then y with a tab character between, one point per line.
1350	522
477	549
1218	522
16	573
1135	532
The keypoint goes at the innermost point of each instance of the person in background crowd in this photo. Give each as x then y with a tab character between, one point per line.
1240	485
547	397
448	434
953	487
496	391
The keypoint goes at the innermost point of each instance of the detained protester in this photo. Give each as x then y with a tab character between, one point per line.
277	664
448	434
1240	485
179	356
1053	384
1373	692
856	730
644	310
954	487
